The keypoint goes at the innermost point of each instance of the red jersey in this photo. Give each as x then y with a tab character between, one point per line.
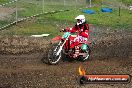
82	29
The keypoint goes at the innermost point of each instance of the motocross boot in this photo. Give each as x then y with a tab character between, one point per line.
76	51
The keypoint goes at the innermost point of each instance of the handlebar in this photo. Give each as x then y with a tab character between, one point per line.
63	30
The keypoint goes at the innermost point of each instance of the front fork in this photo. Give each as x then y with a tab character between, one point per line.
57	46
60	47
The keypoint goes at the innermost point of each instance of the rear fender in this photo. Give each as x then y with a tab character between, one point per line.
88	42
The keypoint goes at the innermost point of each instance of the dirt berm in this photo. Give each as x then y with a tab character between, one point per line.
108	44
21	45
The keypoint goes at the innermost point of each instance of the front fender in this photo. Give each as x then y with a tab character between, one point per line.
56	38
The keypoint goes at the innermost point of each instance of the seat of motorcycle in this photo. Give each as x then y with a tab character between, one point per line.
74	35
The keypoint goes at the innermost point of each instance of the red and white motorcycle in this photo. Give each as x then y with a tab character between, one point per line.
62	49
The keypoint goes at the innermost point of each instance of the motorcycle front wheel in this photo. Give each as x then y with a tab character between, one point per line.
53	58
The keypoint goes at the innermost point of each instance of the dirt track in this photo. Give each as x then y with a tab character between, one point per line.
111	55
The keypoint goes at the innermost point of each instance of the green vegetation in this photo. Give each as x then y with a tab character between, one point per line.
4	1
127	2
52	23
32	28
101	19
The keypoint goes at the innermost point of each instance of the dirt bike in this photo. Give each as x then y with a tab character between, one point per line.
62	50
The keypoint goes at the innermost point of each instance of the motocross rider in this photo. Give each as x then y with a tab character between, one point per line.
81	28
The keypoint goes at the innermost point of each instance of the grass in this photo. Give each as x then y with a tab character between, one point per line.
32	28
4	1
127	2
51	23
102	19
2	23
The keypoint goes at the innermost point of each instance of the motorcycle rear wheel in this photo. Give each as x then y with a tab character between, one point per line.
87	57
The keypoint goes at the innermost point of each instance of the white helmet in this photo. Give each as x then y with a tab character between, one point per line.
81	19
